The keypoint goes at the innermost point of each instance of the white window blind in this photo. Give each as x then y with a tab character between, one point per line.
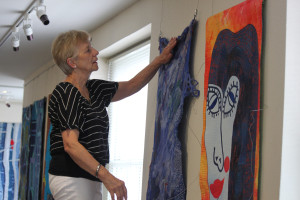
127	122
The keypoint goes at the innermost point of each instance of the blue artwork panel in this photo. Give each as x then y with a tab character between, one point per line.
166	179
47	192
32	151
36	149
24	157
10	138
2	169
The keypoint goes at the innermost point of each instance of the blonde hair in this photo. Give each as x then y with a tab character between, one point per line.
66	46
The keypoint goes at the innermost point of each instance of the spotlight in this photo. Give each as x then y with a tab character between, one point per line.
15	39
27	26
41	13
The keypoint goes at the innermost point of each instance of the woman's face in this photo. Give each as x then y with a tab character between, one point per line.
86	60
220	114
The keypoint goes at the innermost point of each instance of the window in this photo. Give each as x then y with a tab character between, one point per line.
127	122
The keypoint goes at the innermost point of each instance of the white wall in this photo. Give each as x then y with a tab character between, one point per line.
172	16
290	175
273	66
41	83
12	114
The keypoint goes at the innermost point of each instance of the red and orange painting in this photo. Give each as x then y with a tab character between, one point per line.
231	135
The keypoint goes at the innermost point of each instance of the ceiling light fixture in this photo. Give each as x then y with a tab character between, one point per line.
27	26
41	13
40	8
15	39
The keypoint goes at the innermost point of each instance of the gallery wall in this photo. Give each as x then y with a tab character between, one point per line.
170	17
41	83
12	114
291	135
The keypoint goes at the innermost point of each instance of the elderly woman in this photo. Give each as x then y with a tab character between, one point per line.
77	111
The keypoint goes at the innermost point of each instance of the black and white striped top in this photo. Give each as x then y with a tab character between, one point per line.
68	109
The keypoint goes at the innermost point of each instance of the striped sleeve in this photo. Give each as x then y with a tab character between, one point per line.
68	109
103	90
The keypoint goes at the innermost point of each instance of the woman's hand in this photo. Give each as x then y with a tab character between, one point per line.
166	54
113	184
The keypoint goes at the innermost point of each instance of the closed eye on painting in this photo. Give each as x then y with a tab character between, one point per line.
213	100
231	96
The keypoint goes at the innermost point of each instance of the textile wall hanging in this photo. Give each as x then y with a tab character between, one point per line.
33	150
10	139
174	84
36	149
24	157
230	139
46	193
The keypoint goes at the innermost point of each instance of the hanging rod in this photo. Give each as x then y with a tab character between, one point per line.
18	22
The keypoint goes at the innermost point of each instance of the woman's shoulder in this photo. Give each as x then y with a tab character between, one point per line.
64	89
92	82
64	86
95	83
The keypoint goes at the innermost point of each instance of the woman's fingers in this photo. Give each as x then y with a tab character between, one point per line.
121	193
166	54
125	191
116	187
112	195
172	43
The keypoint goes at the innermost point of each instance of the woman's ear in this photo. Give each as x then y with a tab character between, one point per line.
71	63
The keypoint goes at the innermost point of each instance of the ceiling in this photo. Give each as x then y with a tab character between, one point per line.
64	15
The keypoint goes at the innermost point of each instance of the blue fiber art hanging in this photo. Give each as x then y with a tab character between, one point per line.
10	140
45	187
36	149
24	156
31	157
166	179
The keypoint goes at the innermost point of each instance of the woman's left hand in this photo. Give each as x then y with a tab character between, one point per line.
166	54
115	186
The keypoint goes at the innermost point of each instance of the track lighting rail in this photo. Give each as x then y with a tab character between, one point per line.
18	22
41	13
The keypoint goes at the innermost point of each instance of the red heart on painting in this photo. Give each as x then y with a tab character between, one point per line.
216	188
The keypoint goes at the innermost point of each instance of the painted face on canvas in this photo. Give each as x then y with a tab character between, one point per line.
221	107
